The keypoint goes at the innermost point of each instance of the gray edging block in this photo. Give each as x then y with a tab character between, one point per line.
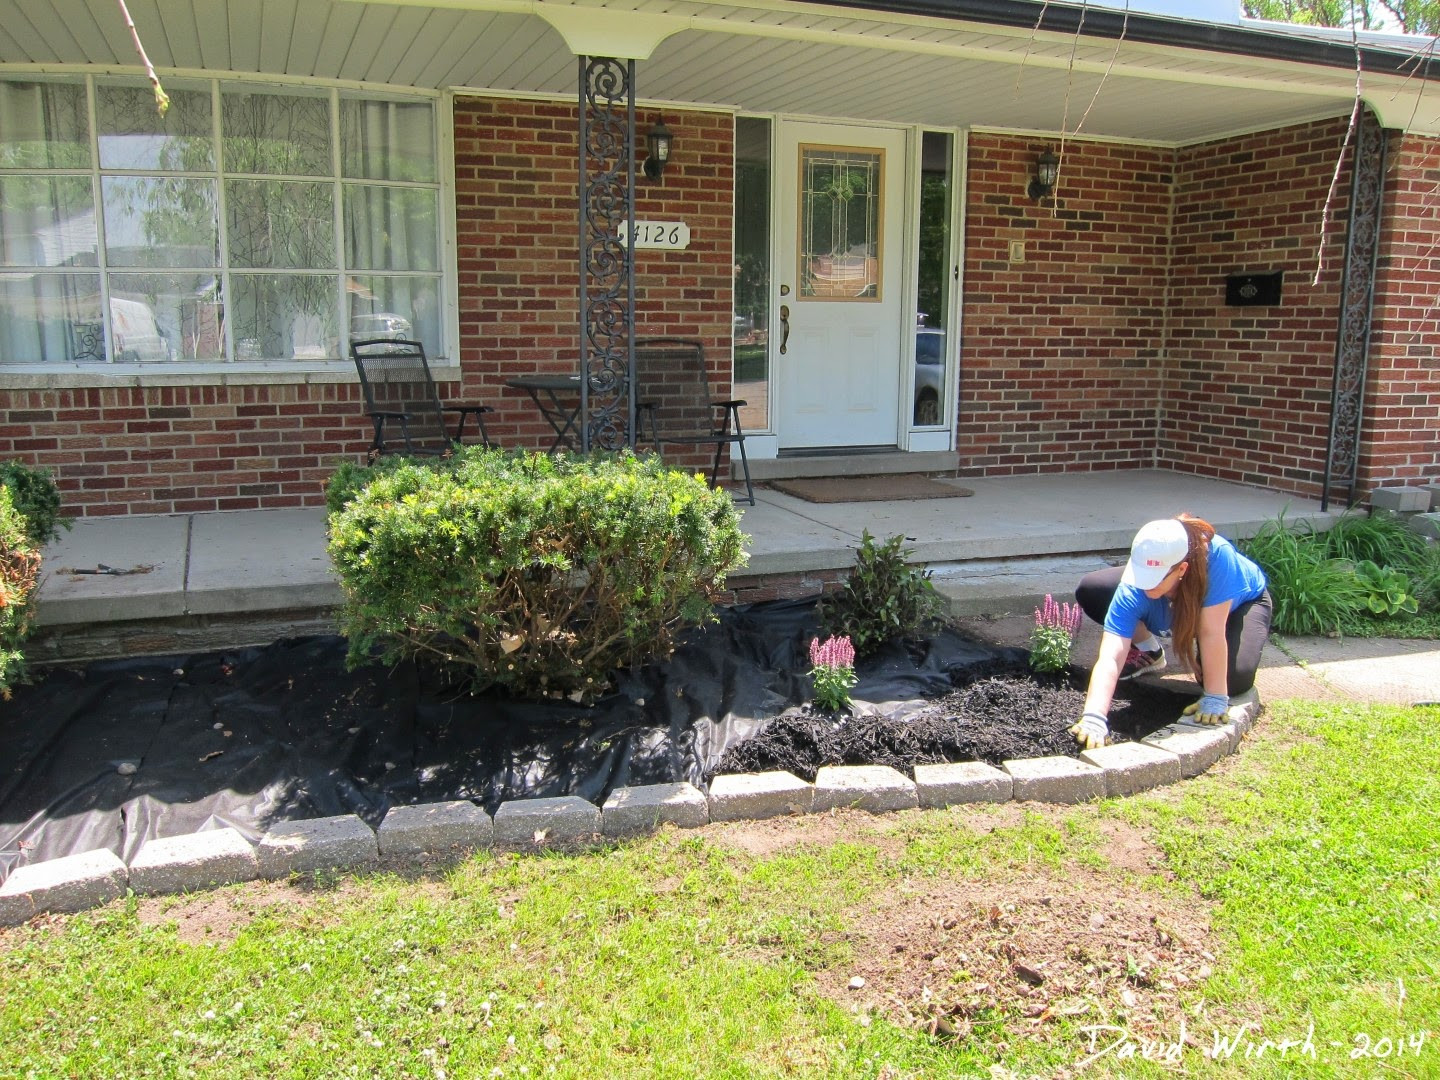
71	883
1197	747
317	844
434	827
1427	525
962	782
527	824
751	796
1130	767
1401	500
633	810
1055	779
876	788
176	864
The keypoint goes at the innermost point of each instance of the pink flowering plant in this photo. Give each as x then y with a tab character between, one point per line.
1054	635
833	670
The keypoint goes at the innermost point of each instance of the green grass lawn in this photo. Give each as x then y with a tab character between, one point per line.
1315	854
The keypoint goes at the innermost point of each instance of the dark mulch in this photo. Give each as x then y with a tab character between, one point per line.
997	713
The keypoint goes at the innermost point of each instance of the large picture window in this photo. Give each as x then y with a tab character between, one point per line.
247	224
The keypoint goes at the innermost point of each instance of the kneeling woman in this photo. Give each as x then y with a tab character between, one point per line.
1185	579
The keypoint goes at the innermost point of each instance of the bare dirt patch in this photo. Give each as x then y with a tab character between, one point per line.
1023	954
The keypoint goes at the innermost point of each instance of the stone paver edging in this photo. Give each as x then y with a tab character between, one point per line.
204	860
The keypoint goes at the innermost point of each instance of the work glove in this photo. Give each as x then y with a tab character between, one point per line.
1091	731
1211	709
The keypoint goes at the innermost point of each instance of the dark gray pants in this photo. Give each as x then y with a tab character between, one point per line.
1245	630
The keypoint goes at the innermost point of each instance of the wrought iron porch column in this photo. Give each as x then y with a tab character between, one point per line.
607	273
1357	301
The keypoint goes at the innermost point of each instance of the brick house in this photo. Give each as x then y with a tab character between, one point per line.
870	262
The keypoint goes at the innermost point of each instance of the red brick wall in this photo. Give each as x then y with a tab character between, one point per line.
1061	365
518	239
1247	389
180	449
1400	439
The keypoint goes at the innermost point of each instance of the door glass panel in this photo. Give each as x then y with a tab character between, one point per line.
752	271
932	321
839	243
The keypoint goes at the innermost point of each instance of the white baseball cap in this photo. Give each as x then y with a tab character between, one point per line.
1157	547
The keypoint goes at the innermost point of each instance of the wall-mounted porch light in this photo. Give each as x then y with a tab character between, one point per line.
658	142
1047	171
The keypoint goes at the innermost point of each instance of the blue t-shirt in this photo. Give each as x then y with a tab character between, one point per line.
1232	577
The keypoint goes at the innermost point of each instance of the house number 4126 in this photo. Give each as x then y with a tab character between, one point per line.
656	234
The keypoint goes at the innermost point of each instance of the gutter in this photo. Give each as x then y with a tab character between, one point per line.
1098	22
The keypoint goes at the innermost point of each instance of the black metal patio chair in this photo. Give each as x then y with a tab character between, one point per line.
399	390
672	400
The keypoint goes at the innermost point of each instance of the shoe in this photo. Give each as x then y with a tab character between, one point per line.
1140	662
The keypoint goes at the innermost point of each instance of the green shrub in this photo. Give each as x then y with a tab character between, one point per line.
34	495
19	573
885	598
540	575
1313	592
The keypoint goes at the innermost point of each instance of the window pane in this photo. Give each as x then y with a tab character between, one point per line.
51	317
933	278
276	133
390	228
387	140
160	221
752	271
133	134
284	317
280	224
407	307
47	221
166	317
840	223
43	126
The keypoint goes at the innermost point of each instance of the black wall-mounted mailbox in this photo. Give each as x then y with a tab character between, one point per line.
1253	290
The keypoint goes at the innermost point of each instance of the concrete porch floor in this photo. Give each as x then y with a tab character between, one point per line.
199	581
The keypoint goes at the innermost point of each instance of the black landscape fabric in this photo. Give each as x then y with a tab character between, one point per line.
123	751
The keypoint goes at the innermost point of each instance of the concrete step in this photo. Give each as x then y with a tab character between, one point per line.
1000	587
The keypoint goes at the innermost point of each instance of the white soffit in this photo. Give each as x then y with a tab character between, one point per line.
763	56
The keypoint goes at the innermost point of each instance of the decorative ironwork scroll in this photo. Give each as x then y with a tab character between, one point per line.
607	277
1357	297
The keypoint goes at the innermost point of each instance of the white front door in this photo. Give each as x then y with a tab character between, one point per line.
840	219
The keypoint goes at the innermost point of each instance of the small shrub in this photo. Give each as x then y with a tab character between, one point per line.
833	672
540	575
885	598
35	497
1054	635
19	574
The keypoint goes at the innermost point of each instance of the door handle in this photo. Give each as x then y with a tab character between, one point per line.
784	326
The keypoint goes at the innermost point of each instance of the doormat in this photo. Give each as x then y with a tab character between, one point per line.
896	487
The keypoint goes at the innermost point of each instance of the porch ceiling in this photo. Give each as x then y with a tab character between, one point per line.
750	55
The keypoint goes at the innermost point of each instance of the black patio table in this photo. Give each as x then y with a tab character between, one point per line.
552	396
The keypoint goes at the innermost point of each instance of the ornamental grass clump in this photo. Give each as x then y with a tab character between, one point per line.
540	575
833	672
1053	637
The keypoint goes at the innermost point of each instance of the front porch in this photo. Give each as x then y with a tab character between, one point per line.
198	582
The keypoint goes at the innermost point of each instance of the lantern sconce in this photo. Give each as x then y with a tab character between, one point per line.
659	142
1047	172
